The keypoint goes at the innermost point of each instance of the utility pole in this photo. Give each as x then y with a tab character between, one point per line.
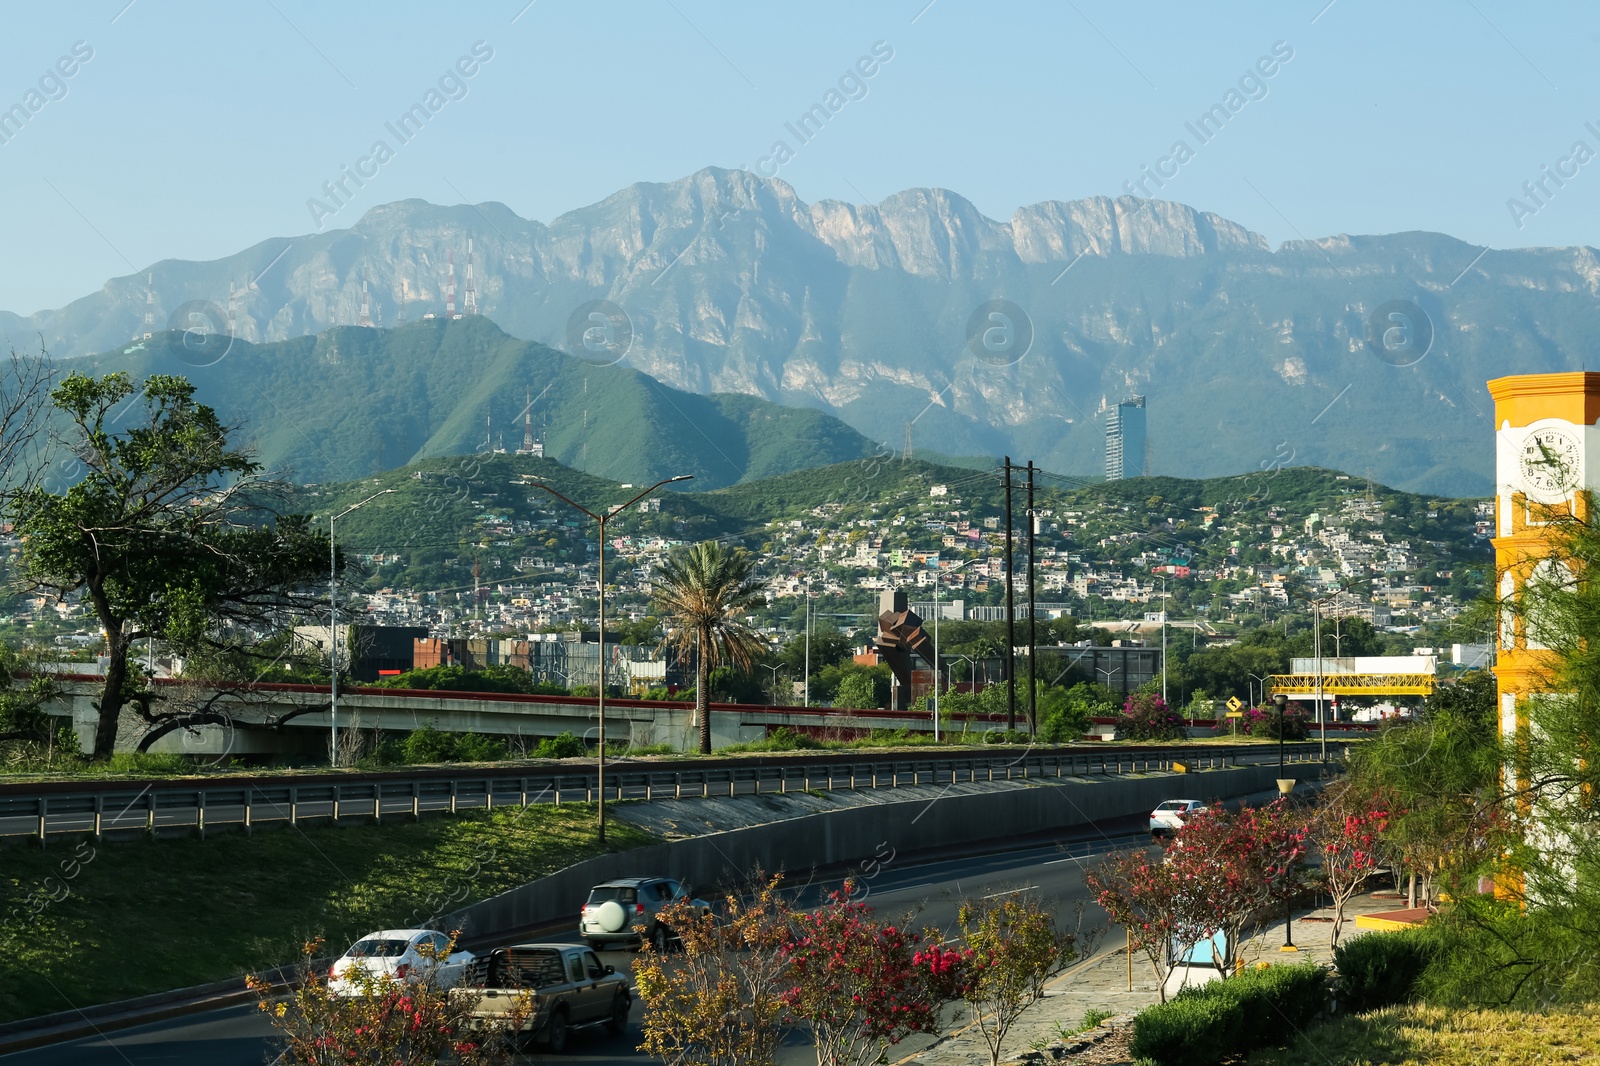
938	677
808	649
1316	624
333	629
1033	521
1011	616
600	703
1163	640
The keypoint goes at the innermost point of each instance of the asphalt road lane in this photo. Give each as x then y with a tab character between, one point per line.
930	890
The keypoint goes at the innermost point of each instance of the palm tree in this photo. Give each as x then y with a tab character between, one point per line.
702	589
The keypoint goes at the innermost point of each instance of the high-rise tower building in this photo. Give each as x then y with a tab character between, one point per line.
1125	439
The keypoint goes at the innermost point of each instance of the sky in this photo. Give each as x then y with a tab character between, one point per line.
194	130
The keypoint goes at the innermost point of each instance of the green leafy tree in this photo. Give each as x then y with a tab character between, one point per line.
169	532
24	691
1440	775
1013	947
829	647
703	590
857	691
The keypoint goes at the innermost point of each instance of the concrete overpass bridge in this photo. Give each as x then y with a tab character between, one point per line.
273	719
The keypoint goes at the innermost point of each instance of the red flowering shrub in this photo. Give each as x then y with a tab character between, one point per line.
1146	716
862	984
1347	830
409	1021
1263	722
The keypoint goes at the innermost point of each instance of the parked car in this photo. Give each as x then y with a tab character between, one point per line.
616	908
568	986
1169	816
407	954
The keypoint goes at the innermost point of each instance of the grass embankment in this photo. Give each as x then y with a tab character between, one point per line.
1437	1036
82	923
140	767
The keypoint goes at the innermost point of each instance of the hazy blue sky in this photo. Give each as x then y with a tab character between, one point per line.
197	129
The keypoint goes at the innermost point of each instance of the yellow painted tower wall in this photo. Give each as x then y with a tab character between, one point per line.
1547	447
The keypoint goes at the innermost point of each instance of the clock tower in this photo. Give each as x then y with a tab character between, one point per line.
1547	448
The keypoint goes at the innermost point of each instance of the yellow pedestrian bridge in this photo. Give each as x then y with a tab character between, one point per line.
1352	684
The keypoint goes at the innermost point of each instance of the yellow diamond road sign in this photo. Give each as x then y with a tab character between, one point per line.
1233	703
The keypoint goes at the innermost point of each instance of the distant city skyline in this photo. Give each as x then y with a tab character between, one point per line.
136	132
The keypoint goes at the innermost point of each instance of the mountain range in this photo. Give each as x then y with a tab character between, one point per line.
724	283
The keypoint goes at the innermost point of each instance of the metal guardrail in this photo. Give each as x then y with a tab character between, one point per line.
97	808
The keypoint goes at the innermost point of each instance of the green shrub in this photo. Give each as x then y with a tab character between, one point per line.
1188	1030
427	745
785	739
1381	969
1207	1023
475	747
566	746
152	763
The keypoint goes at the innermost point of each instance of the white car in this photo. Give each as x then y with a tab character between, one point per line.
1169	816
407	954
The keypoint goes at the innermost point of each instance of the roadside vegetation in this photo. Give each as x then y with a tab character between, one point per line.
84	923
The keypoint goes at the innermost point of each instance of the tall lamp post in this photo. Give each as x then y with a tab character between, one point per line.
333	628
938	667
601	519
1285	786
1263	681
1163	640
774	689
806	698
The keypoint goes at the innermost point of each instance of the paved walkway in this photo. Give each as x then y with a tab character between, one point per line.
1102	984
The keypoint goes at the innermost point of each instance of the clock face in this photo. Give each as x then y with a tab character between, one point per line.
1549	461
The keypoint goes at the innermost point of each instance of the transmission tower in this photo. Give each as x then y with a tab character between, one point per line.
469	296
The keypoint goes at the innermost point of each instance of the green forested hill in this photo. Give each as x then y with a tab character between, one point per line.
352	402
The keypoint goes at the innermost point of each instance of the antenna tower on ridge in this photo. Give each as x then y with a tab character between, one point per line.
450	291
527	423
149	305
469	297
366	304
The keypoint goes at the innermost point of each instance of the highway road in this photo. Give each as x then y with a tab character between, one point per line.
239	1036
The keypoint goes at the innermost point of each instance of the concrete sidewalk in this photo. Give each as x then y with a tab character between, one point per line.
1103	984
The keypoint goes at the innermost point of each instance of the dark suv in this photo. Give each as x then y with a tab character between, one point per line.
616	907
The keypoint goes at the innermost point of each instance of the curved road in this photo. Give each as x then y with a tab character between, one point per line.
239	1036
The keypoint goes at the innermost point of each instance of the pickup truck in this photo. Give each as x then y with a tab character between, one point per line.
568	986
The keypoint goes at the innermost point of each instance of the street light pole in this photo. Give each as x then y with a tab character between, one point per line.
1163	640
938	673
774	689
1280	700
1285	786
333	628
1263	681
600	706
1322	719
